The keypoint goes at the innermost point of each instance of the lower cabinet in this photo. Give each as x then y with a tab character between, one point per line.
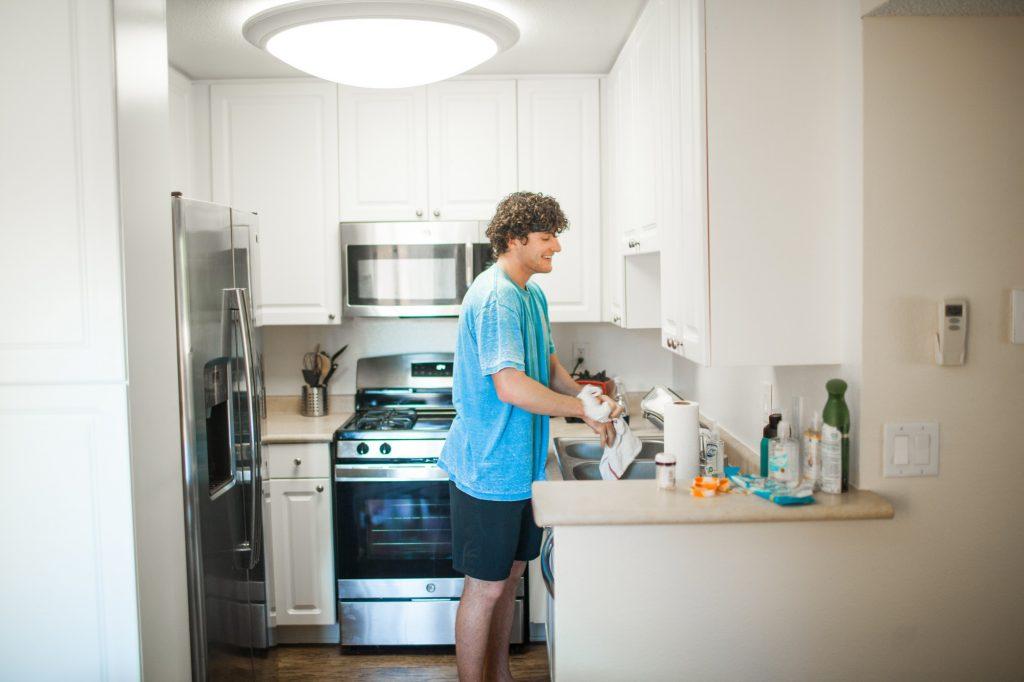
301	551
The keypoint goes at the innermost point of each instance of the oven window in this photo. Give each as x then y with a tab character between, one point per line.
406	274
393	529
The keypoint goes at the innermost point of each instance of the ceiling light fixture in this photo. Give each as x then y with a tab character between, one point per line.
381	43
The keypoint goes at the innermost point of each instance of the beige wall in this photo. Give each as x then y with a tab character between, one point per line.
944	215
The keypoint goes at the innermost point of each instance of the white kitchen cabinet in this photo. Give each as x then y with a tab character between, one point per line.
559	155
630	230
752	211
382	140
302	551
471	132
274	150
644	71
446	151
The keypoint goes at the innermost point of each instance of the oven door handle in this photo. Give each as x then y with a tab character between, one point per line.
363	473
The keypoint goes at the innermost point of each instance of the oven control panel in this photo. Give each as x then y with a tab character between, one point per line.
432	369
398	449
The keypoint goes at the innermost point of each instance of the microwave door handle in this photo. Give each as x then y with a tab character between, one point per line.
470	252
255	453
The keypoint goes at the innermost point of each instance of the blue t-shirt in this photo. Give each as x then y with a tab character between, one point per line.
495	450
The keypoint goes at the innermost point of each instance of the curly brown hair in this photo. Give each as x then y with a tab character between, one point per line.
521	213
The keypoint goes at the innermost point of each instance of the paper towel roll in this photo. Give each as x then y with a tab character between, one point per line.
682	438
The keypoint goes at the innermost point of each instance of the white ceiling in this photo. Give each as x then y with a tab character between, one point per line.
204	37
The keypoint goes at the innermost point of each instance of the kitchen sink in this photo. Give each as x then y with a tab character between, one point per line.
592	450
588	471
579	458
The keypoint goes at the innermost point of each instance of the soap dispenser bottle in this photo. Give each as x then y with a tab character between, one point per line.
767	434
784	459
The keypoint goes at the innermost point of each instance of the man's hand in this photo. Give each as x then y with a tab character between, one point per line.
606	430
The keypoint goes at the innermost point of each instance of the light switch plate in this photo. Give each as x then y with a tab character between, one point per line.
1017	313
911	449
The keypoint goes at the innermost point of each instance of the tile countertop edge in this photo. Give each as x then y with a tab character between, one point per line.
599	503
285	423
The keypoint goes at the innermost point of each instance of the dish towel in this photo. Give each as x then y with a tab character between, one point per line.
595	408
620	454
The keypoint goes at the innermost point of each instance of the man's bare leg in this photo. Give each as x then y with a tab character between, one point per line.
497	665
473	625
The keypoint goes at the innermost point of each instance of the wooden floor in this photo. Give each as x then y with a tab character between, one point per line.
326	662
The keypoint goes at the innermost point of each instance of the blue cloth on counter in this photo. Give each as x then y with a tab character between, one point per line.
494	450
773	491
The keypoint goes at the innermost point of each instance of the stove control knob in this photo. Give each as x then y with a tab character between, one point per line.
362	448
385	449
431	587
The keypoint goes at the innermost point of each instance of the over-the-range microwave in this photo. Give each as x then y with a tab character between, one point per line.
410	269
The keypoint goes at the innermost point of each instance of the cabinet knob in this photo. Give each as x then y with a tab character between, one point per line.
331	316
419	212
616	319
298	462
633	243
319	488
437	213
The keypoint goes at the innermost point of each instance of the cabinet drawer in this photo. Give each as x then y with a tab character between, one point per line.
298	460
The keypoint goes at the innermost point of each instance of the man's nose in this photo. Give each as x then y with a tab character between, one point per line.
556	245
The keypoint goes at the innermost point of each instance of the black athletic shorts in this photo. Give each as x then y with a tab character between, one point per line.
487	536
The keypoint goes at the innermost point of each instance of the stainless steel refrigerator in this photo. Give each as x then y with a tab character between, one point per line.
221	400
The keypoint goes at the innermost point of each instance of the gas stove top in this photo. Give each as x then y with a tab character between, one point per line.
397	424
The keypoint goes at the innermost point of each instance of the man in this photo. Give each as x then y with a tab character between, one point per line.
507	382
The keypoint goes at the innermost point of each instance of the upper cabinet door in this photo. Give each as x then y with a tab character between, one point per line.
383	152
683	210
472	147
275	152
60	237
646	79
559	140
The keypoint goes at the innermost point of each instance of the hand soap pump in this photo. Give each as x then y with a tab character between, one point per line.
767	434
784	459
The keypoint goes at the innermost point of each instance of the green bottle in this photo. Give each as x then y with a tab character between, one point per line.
835	439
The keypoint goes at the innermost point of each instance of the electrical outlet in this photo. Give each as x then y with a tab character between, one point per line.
579	350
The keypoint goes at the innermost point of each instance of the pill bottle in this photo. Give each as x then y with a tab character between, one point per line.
665	464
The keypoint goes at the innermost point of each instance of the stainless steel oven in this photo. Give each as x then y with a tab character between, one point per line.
418	269
393	537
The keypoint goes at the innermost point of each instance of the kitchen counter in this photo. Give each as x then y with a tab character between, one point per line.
593	503
285	423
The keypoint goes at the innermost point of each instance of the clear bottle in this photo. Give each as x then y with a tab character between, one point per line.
620	397
713	464
810	465
767	434
784	457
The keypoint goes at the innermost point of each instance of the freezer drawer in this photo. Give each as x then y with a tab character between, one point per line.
376	623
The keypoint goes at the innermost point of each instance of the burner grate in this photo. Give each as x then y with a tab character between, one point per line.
386	420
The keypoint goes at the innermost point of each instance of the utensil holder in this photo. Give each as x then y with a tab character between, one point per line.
314	401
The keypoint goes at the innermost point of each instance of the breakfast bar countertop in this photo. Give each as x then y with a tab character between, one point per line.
628	502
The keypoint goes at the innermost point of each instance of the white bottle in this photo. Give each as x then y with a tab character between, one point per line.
784	457
713	454
810	466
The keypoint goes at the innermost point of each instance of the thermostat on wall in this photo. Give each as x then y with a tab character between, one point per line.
951	339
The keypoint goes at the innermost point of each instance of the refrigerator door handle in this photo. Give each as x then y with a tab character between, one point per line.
241	304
